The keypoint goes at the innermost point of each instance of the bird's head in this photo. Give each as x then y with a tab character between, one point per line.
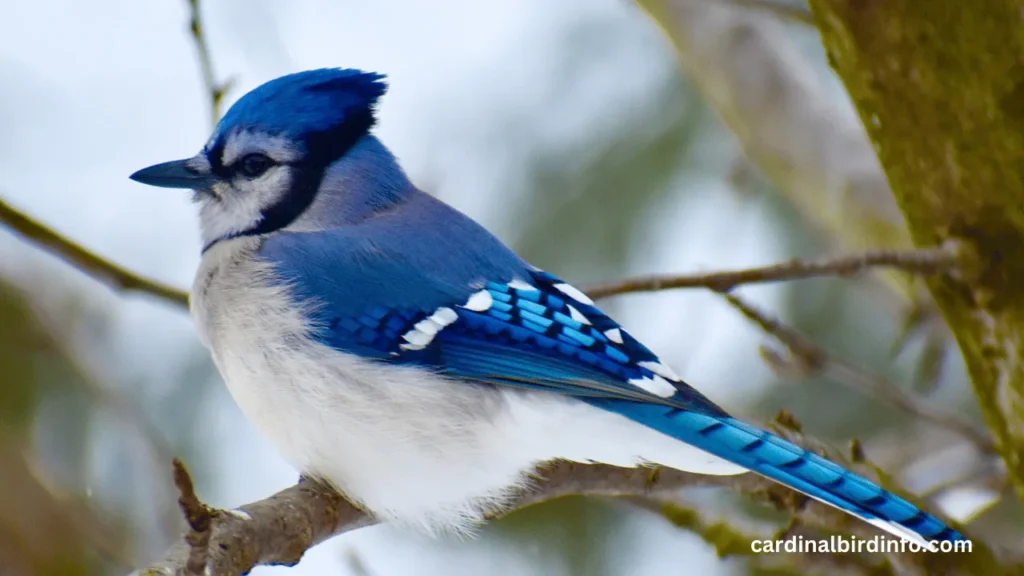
264	162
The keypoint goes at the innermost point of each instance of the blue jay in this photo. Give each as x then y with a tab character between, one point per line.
387	344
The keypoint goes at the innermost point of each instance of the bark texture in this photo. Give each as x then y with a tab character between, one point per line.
939	86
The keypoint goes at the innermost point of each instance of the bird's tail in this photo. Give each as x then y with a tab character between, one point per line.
787	463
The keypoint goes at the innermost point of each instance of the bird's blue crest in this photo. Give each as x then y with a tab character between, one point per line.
310	102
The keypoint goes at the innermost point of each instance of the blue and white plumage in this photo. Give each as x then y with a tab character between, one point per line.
388	344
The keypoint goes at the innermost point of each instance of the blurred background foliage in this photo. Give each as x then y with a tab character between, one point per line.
585	146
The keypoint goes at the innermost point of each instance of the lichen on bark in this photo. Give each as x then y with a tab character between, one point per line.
939	86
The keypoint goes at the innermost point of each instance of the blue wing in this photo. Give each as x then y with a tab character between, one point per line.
539	332
486	316
512	325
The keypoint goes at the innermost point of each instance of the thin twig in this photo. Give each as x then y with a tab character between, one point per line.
199	518
752	71
104	270
101	269
814	358
924	261
789	12
989	473
921	261
215	89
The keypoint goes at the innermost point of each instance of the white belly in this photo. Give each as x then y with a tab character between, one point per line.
409	445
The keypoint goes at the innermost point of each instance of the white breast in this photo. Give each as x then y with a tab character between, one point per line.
408	445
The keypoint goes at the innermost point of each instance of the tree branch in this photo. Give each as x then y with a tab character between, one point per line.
814	358
216	90
924	261
199	518
945	119
781	10
103	270
252	540
802	139
279	529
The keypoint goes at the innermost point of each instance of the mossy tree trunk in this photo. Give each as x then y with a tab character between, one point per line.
939	85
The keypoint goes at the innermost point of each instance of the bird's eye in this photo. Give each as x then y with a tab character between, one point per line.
254	165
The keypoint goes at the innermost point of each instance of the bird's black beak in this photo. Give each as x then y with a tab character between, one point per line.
176	174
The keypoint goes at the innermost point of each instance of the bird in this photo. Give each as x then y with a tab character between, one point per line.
391	347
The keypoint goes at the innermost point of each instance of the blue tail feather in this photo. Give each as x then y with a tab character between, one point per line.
782	461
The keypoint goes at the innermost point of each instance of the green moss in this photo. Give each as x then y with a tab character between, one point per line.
726	540
939	85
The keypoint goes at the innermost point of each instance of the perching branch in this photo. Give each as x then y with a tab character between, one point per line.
279	529
283	526
200	521
103	270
